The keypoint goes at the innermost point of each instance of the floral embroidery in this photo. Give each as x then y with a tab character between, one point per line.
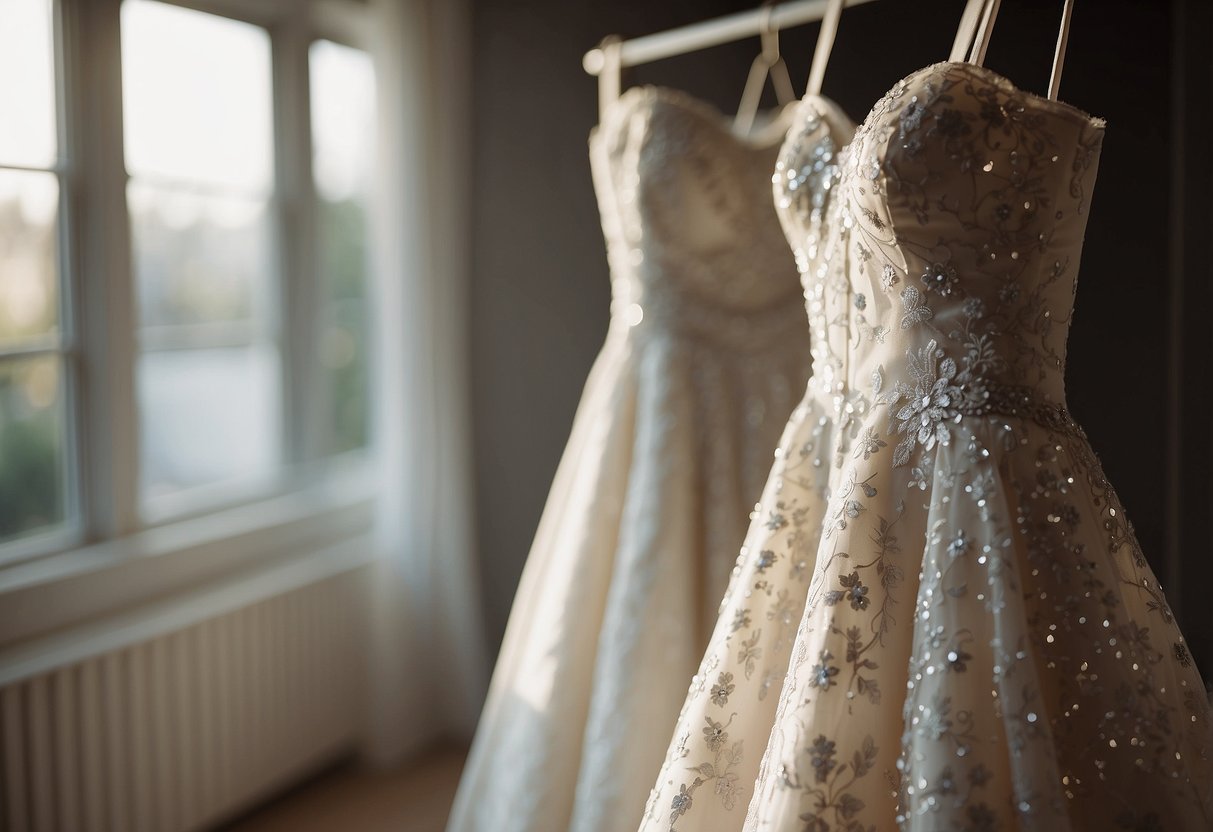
714	735
967	544
870	443
723	688
823	673
856	592
931	404
741	619
680	804
822	752
916	310
765	560
940	278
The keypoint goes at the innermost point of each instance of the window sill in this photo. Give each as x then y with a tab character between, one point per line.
48	594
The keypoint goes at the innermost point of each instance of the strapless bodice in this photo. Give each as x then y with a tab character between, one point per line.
957	219
693	241
805	183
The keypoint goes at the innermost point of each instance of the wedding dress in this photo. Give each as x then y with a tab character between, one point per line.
749	651
983	646
705	358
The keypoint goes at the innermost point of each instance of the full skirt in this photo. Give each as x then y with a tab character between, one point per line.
668	453
983	646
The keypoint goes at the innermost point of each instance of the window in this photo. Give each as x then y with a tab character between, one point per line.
245	226
343	133
199	150
35	494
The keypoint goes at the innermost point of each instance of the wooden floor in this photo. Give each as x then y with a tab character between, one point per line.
416	798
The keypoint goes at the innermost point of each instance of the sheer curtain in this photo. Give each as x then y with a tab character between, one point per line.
427	658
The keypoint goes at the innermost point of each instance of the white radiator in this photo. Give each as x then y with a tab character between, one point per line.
186	728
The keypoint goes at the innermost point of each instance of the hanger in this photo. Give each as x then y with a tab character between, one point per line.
708	33
610	75
768	64
825	44
1059	53
986	11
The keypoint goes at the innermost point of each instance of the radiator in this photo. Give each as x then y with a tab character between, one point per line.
186	729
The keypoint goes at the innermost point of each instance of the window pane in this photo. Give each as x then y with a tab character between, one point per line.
32	445
199	147
344	342
27	87
29	288
196	96
199	259
209	416
343	120
344	138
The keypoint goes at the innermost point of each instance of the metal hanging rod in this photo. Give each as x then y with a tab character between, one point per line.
709	33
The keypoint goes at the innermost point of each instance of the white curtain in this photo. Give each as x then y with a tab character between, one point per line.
427	655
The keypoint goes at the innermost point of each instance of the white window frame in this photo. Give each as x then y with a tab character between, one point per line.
107	534
66	343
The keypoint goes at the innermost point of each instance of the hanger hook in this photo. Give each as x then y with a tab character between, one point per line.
769	33
610	74
610	44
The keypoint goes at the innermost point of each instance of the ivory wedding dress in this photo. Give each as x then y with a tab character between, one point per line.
983	646
705	358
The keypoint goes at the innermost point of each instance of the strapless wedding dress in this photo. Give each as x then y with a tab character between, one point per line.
983	645
706	355
727	715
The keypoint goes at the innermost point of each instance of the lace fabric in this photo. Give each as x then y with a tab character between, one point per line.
982	644
713	761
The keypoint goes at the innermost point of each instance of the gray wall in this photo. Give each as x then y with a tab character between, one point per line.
540	287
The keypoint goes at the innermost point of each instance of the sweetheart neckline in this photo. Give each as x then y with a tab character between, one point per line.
1008	85
777	124
780	122
997	78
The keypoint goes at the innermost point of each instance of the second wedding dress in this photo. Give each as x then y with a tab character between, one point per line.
983	646
705	358
750	648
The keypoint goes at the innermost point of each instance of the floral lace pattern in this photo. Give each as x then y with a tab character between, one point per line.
736	690
983	645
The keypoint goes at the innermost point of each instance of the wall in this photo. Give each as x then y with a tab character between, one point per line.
540	289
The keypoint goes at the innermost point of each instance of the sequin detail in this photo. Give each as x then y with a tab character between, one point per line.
983	644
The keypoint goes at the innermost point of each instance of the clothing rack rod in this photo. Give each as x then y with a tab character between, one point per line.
684	39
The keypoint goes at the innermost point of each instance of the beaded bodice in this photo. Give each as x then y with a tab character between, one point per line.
692	239
805	180
957	216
